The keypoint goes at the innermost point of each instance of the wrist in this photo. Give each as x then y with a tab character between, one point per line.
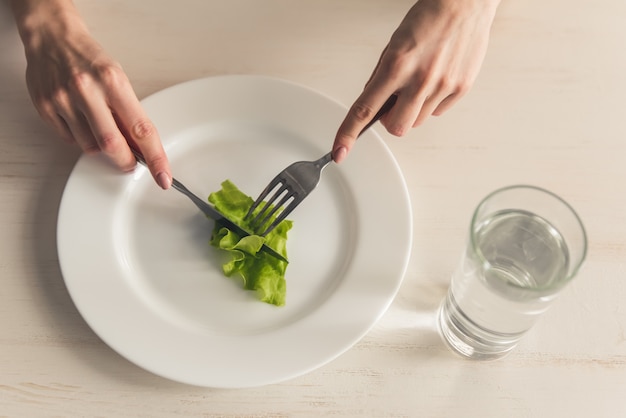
36	19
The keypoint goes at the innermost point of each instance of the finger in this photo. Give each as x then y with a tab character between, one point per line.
81	132
140	132
401	118
429	107
108	135
49	115
454	93
446	104
359	115
75	122
64	131
46	107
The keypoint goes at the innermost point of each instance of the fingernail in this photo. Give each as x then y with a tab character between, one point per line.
164	180
339	154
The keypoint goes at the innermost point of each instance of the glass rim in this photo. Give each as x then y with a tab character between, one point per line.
560	283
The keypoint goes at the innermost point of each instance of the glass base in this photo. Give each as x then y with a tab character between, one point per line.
468	339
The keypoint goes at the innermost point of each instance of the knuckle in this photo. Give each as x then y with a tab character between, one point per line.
344	139
46	108
82	82
158	161
142	129
108	142
108	75
362	111
112	76
59	98
396	63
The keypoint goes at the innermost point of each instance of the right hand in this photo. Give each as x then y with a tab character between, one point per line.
430	62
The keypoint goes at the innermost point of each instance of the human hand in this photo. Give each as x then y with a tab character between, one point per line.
83	94
430	62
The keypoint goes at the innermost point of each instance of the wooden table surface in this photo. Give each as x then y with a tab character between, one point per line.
547	109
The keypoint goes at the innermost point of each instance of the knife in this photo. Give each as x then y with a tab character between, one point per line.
213	213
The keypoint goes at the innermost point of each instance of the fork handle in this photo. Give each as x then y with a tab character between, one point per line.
391	101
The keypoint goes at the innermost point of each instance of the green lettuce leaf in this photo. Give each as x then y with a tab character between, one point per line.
258	270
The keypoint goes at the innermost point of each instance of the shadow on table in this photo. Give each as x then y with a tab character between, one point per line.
410	324
422	304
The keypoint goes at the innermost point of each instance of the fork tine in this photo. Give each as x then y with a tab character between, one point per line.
262	214
267	214
283	214
275	182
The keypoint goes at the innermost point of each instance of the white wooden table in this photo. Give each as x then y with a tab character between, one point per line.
548	109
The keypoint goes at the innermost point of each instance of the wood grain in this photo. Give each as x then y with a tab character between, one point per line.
547	109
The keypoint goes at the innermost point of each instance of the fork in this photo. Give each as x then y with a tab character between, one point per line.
294	183
210	211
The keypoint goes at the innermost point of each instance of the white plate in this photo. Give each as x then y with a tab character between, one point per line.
138	266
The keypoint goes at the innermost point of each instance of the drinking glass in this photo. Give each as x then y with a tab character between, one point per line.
525	245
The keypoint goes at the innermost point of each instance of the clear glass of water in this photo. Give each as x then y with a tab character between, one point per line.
525	244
